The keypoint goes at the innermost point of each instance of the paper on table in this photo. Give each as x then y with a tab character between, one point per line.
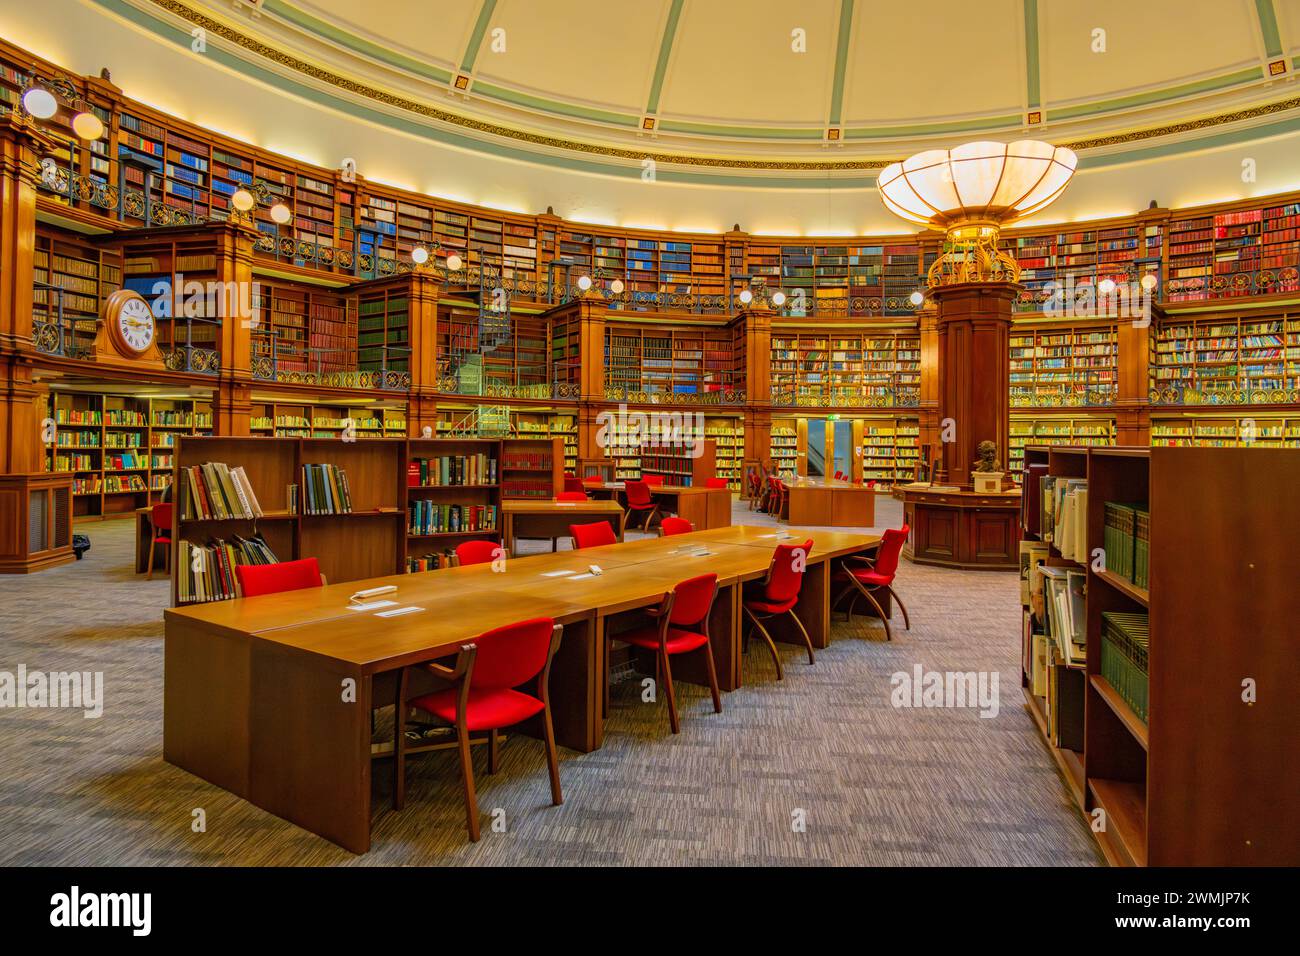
400	610
555	574
582	577
371	605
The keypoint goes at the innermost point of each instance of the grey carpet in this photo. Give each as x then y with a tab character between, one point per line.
876	785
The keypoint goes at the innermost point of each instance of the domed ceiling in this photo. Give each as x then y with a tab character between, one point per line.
812	83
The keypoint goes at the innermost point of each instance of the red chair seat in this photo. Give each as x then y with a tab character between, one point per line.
872	578
679	641
489	708
162	539
759	606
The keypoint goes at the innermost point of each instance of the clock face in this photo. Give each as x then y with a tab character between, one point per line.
131	322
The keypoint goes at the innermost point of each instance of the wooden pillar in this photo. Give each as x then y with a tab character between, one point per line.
591	339
21	146
927	411
422	329
756	334
1132	408
974	331
232	398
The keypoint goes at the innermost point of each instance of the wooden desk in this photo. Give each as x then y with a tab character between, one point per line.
705	508
550	518
832	503
142	535
962	529
254	689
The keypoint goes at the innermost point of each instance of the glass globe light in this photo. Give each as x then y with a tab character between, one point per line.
87	126
419	255
40	102
242	200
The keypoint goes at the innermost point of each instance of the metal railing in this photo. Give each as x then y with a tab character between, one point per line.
274	360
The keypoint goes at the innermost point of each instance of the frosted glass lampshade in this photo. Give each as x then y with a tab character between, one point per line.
453	263
87	126
40	102
996	182
584	283
242	200
280	213
419	255
616	287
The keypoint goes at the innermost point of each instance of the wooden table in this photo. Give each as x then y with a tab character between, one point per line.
549	518
271	697
831	503
703	507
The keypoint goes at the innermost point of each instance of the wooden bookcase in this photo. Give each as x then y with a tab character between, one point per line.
374	539
696	360
94	434
287	418
675	463
1064	366
1192	359
86	273
1224	430
1074	263
846	367
1221	608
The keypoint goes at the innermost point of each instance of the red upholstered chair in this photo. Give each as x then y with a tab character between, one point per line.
753	487
716	483
592	535
866	576
567	495
839	476
482	696
478	552
674	525
574	484
257	579
640	501
682	628
654	481
777	595
160	532
779	498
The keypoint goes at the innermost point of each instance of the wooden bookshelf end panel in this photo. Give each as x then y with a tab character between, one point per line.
372	469
1224	607
353	547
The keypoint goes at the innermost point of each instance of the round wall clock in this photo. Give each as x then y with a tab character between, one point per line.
130	323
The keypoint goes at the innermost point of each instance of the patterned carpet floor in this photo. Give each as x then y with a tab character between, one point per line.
817	769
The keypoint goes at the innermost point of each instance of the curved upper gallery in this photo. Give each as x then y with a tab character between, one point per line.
695	115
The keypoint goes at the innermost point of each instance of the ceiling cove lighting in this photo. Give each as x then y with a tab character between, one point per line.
972	191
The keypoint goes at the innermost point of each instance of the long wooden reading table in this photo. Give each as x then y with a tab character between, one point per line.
271	697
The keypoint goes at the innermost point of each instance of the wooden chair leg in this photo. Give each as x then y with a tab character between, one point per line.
884	619
804	631
901	606
167	560
771	645
149	567
494	750
713	678
552	758
668	692
467	777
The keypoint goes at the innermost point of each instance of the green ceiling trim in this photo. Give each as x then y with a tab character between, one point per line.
1032	78
1283	127
1268	27
351	41
957	126
760	132
1158	96
665	49
841	60
533	102
476	38
775	179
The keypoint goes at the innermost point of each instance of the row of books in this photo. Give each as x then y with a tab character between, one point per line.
1127	541
426	517
325	490
1125	640
214	490
1064	616
1064	522
207	572
430	562
477	469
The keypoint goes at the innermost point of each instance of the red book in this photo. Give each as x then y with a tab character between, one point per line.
412	474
